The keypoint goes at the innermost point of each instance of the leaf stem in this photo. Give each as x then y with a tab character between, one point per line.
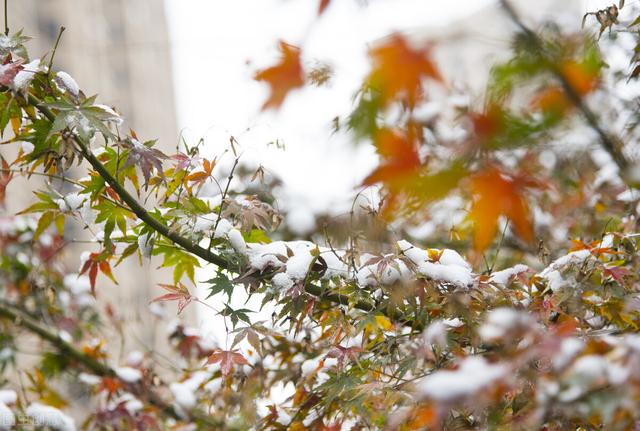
55	49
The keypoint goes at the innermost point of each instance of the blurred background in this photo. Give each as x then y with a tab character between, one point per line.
178	68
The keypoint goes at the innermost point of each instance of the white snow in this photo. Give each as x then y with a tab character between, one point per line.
27	147
552	273
43	415
69	83
501	321
77	283
185	392
450	268
8	396
128	374
473	375
7	418
506	275
89	379
435	334
569	349
282	281
26	75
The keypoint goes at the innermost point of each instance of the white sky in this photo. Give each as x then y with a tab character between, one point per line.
218	47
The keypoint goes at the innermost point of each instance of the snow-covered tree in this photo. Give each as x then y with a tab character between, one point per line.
365	327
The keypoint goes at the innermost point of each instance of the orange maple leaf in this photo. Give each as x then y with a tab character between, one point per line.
495	194
580	77
283	76
322	6
400	157
399	69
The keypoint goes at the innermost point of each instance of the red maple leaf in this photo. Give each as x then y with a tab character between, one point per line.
97	262
227	359
283	76
178	293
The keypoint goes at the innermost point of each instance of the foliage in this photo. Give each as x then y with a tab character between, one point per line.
366	331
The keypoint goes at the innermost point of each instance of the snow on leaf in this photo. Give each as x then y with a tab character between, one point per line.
227	360
283	77
9	70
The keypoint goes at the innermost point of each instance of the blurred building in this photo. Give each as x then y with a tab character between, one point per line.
120	50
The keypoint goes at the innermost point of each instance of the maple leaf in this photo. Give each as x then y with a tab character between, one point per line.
178	293
282	77
97	262
345	353
143	155
200	177
227	359
5	178
399	69
9	70
184	161
400	157
495	194
322	6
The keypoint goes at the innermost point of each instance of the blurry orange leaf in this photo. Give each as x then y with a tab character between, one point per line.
583	79
398	70
423	416
487	124
495	194
282	77
400	159
323	6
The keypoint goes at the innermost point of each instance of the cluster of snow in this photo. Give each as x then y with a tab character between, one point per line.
552	273
128	374
23	79
65	82
7	418
450	267
184	392
503	321
47	416
505	276
71	202
473	375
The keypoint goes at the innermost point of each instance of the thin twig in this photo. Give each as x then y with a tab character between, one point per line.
55	49
6	18
224	196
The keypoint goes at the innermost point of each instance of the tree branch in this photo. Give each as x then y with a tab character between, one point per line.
608	142
21	318
187	244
